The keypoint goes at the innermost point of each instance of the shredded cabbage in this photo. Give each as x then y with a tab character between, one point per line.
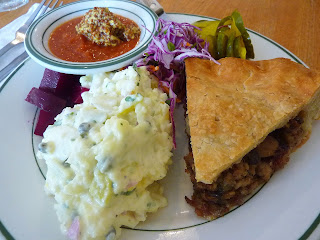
171	44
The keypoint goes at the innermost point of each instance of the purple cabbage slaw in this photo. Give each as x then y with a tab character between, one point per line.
172	43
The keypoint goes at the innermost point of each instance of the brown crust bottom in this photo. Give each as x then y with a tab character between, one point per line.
235	184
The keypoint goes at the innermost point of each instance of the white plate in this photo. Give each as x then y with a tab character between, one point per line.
287	207
36	42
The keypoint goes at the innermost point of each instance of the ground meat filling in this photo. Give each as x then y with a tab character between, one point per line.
236	183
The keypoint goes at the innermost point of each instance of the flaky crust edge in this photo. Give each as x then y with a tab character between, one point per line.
233	106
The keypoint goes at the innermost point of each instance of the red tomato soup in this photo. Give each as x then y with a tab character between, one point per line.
66	44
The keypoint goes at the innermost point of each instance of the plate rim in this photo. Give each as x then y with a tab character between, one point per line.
314	224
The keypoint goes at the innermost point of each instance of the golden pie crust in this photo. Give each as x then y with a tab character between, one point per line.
233	106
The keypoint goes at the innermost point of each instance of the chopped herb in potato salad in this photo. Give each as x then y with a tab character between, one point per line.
104	155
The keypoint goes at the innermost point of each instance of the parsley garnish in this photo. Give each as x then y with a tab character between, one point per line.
129	99
171	46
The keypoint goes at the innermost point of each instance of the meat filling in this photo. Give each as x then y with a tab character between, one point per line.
236	183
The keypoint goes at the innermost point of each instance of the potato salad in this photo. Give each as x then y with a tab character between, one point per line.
105	155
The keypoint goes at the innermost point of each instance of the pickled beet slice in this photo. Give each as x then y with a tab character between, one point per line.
45	119
76	95
59	84
56	91
46	101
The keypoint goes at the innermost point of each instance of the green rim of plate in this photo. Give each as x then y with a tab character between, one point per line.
69	65
304	236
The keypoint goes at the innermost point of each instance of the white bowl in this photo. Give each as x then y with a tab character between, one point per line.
36	42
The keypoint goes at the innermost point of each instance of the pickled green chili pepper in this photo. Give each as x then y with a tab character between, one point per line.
227	37
223	21
222	39
214	47
212	40
230	45
246	38
207	32
239	48
207	27
202	23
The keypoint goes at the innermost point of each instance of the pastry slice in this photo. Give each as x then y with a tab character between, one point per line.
244	119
